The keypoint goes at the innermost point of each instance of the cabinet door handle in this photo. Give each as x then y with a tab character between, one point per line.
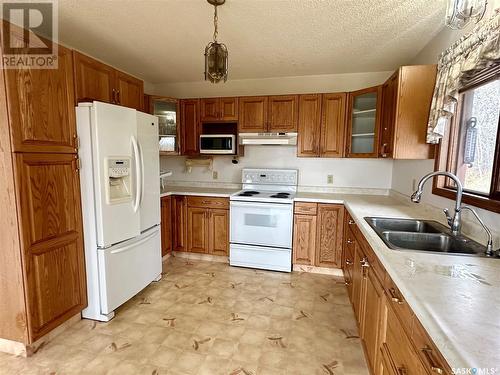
350	242
352	222
348	262
117	96
383	153
113	96
394	297
428	356
401	371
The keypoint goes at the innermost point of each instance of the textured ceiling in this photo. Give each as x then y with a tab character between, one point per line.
163	41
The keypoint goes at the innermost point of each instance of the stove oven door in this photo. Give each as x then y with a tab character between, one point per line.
262	224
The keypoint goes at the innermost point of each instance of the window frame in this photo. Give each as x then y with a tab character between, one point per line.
448	149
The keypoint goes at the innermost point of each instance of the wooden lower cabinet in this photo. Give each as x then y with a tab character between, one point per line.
218	232
166	225
394	341
197	230
317	234
304	239
330	234
179	222
200	224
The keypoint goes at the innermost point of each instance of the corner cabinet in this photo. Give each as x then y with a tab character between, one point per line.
42	257
363	123
317	234
406	102
95	80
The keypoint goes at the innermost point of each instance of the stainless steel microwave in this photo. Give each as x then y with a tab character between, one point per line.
219	144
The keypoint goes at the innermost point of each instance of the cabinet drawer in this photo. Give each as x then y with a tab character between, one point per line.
304	208
208	202
398	303
432	359
398	346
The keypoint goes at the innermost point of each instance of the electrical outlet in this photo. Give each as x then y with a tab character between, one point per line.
329	179
215	175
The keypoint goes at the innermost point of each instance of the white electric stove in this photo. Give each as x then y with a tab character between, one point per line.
262	219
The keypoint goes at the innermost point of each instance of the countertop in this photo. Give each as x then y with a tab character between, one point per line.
201	191
456	298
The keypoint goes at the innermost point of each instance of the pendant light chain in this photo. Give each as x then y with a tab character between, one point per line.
216	19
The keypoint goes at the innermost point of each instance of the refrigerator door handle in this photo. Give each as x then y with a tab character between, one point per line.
142	174
128	247
138	174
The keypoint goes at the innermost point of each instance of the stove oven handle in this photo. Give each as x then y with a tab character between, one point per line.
281	206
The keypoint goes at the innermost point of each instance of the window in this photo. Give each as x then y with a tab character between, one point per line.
471	150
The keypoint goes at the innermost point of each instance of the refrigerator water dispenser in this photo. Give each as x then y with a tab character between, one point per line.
119	187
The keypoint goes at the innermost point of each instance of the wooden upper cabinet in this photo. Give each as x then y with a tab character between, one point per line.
218	232
333	125
229	109
309	127
209	109
219	109
389	104
190	126
253	114
283	113
363	123
129	91
94	80
407	97
166	225
52	239
304	239
329	235
41	107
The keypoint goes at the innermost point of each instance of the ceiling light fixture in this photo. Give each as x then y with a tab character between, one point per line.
461	12
216	55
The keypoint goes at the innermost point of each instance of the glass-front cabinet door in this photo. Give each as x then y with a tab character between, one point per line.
167	110
363	123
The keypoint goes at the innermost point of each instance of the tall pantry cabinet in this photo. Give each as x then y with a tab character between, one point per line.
42	266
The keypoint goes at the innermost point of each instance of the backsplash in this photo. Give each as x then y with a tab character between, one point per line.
347	173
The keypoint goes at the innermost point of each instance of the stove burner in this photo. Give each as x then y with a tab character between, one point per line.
280	195
249	193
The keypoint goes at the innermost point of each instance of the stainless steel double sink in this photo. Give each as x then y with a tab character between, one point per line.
423	235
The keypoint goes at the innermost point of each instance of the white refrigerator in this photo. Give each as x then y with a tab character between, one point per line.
119	179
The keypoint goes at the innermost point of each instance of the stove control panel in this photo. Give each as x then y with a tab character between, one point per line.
270	176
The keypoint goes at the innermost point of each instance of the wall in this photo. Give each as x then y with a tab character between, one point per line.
367	173
312	171
273	86
405	171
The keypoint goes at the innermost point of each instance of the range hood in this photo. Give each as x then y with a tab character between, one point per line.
270	139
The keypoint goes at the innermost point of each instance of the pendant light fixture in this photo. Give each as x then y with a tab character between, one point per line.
216	56
461	12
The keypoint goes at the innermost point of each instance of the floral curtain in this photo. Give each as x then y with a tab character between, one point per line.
472	53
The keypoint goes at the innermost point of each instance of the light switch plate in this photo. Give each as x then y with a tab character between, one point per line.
329	179
215	175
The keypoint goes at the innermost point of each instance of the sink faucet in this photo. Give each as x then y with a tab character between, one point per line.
455	222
